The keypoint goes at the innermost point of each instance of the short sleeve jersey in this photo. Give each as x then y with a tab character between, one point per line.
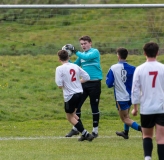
148	87
68	76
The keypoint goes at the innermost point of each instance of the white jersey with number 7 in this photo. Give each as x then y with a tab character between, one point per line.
68	76
148	87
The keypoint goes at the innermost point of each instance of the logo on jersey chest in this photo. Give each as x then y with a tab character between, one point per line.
82	60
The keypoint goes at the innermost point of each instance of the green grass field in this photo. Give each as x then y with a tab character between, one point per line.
28	90
32	119
44	140
33	123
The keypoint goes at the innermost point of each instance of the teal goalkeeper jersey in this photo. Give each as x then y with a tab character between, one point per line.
90	62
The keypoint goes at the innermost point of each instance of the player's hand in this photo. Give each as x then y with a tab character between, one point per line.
70	47
134	112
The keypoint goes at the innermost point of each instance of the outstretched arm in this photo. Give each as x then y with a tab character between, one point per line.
91	54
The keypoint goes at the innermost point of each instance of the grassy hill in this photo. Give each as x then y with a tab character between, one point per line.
28	90
44	31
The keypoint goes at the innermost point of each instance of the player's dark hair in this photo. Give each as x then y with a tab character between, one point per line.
63	55
122	52
85	38
151	49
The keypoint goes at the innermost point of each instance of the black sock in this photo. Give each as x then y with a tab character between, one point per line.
147	146
126	132
79	127
160	150
139	128
79	115
96	118
80	121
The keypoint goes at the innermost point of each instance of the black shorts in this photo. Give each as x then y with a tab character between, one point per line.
72	104
93	90
149	121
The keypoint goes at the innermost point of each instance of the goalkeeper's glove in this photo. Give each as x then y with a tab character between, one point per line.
70	47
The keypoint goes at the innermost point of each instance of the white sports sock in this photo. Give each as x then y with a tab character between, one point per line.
95	130
84	133
147	158
74	128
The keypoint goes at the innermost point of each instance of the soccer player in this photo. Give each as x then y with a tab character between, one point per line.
89	60
67	77
120	77
148	91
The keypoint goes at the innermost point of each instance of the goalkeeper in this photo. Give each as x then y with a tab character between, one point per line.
89	60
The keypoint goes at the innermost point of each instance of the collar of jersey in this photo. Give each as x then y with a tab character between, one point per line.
122	61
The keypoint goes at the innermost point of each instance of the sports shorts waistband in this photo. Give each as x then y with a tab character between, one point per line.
92	81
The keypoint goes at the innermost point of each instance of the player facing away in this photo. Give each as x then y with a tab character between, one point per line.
89	60
148	91
120	77
69	77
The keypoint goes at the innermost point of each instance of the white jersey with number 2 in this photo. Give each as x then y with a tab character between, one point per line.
68	76
148	87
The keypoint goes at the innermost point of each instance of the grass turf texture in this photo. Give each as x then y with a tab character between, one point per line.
44	140
44	31
33	123
28	90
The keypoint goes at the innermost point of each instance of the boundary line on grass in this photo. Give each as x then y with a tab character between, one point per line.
55	137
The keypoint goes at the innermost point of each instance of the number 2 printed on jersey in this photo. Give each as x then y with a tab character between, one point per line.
72	73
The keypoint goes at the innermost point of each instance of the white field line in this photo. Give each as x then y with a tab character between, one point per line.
54	137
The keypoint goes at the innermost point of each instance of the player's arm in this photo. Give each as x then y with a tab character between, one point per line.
135	110
60	86
90	55
58	78
82	80
110	79
78	61
84	76
136	93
